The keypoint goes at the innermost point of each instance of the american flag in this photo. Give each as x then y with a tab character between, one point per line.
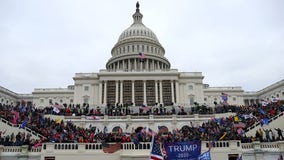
224	96
111	148
141	56
156	153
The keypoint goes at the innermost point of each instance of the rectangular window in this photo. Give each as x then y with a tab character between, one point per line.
41	100
86	88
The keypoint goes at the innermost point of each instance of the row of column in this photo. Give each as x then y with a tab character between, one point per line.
104	91
135	64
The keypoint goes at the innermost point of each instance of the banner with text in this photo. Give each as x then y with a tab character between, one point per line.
183	150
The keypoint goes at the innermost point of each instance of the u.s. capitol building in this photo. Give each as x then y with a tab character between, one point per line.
138	73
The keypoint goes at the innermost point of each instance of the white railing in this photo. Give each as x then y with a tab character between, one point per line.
17	127
83	117
243	147
263	146
17	149
270	120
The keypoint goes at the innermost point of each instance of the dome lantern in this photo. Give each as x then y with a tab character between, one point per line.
137	16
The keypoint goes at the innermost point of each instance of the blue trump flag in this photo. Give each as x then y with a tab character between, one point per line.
205	156
189	150
24	124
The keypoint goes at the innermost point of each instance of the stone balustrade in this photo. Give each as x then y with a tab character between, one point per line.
219	149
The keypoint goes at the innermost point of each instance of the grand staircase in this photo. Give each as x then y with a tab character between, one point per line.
10	128
274	122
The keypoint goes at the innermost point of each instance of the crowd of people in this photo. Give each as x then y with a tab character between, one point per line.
216	129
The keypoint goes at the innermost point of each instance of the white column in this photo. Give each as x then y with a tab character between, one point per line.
147	65
116	92
121	92
161	93
135	64
177	92
105	93
156	92
172	90
144	93
100	93
141	66
133	91
129	65
182	93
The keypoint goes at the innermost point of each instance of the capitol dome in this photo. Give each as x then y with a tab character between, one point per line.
137	49
137	30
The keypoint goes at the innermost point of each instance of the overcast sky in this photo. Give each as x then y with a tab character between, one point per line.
233	43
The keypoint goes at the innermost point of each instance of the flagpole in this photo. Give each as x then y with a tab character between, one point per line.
151	147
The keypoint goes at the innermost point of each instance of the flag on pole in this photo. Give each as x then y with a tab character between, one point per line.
156	153
141	56
16	117
224	96
264	103
205	156
39	143
24	124
265	121
58	121
56	110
